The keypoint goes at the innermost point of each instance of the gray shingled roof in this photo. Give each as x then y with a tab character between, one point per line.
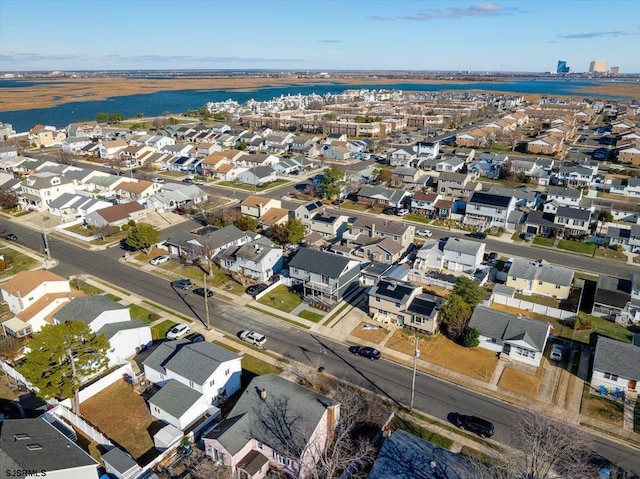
541	270
563	191
613	291
319	262
193	361
243	422
111	329
507	327
175	398
616	357
119	460
460	245
87	309
57	451
574	213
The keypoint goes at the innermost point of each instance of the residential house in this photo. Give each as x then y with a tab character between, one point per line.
540	277
629	155
120	464
116	215
257	176
626	187
138	191
176	195
6	131
541	223
564	196
32	296
574	176
277	142
488	165
456	255
132	155
518	338
44	136
89	129
575	221
369	227
104	184
626	238
625	211
403	156
407	177
476	138
32	447
275	216
545	145
40	189
616	366
8	151
307	211
328	225
203	150
256	206
104	316
525	197
193	377
246	443
193	245
617	299
178	149
376	195
424	203
405	456
110	150
325	278
69	206
259	259
256	160
458	185
486	210
450	164
403	304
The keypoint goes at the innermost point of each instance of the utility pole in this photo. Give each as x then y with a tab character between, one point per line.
46	240
206	301
416	354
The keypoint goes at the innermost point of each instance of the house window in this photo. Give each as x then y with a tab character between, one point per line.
525	353
612	377
191	384
217	456
397	305
259	445
377	300
212	382
557	286
539	283
156	409
227	371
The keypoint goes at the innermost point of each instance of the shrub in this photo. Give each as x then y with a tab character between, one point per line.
3	266
124	227
131	223
471	338
153	317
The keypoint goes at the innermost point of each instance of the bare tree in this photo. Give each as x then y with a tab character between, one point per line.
202	252
545	449
10	350
207	469
105	230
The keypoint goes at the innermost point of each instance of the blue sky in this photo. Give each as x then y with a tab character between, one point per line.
318	35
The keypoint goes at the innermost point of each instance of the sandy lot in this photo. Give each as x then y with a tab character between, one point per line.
57	91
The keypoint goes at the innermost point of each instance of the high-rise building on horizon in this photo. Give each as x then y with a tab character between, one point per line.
598	66
562	67
614	71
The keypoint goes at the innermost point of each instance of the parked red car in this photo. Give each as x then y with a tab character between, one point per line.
179	211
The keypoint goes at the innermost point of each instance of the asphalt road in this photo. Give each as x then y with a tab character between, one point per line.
433	396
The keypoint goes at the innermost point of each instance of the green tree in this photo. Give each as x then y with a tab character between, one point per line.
330	117
455	314
142	237
604	217
116	118
61	356
243	145
471	338
246	223
382	176
139	114
469	290
102	117
292	232
332	182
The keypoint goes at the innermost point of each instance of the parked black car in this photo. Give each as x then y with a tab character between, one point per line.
10	237
256	289
195	337
491	257
479	426
365	351
478	235
181	284
200	292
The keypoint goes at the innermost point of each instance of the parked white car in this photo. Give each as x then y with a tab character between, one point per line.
557	352
425	233
164	258
402	212
253	337
178	331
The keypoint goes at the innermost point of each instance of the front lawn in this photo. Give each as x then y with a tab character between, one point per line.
516	236
310	316
86	288
19	262
543	241
520	382
600	408
143	314
352	205
245	187
476	363
371	335
159	331
418	218
577	246
421	432
281	298
122	415
609	253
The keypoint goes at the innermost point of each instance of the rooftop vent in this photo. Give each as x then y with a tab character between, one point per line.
21	437
34	447
263	394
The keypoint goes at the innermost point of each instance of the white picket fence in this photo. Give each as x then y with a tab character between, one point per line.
63	230
534	307
106	381
81	425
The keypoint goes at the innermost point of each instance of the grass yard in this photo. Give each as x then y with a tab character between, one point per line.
542	241
19	262
281	298
258	367
520	382
143	314
122	415
577	246
636	259
113	297
516	237
476	363
352	205
159	331
371	335
418	218
609	253
79	230
600	408
86	288
538	299
251	188
311	316
182	317
418	430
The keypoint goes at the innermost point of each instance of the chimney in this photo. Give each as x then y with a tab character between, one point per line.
263	394
373	229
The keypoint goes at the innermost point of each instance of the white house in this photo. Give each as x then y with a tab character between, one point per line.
110	150
39	189
486	210
105	316
521	339
256	206
259	259
616	366
455	255
198	375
